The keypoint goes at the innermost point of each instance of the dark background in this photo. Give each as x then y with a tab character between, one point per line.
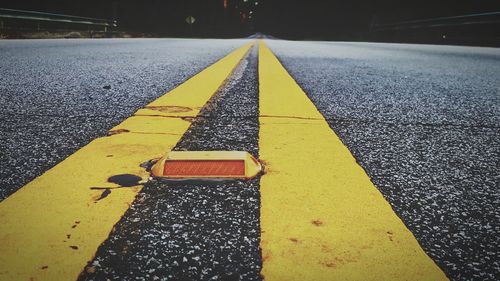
311	19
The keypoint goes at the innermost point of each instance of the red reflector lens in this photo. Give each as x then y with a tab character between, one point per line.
204	168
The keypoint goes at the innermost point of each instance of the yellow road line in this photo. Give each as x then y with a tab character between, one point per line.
51	227
321	216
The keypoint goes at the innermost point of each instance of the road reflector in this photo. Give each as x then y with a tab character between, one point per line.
207	164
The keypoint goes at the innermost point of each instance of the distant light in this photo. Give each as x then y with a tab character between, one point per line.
225	4
256	3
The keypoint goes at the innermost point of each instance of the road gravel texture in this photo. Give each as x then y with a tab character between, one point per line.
196	230
58	95
424	122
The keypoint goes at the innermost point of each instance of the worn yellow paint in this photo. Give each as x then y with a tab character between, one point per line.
321	216
51	227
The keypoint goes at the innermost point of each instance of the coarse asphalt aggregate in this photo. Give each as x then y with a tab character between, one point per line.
58	95
196	230
424	122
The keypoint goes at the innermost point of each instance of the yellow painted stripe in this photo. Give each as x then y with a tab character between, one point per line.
51	227
321	216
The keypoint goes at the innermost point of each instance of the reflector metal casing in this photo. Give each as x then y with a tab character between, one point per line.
207	164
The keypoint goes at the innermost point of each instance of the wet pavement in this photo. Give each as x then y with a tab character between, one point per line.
424	122
58	95
195	230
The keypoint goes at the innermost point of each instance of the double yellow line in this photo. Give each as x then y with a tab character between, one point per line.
321	217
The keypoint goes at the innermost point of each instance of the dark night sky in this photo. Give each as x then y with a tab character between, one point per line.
289	19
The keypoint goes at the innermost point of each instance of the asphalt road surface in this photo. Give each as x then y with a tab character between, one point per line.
58	95
196	231
423	121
